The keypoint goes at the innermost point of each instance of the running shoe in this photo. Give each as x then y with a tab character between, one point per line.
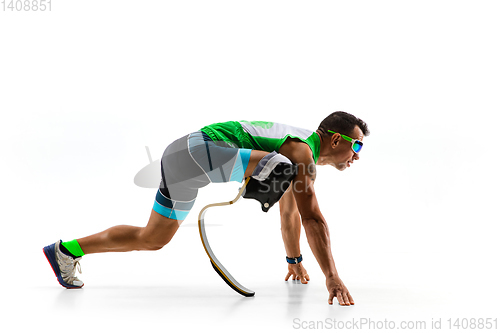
64	266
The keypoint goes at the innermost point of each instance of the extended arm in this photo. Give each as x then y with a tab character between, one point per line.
317	232
290	231
314	223
290	224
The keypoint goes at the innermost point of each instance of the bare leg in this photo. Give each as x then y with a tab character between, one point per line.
122	238
158	232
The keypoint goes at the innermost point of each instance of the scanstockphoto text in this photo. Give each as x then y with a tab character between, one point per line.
275	185
386	324
26	5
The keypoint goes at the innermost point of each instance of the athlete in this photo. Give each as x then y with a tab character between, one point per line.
233	151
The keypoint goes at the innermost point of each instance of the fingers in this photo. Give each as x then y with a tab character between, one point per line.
302	275
351	300
293	275
298	274
346	299
340	298
336	288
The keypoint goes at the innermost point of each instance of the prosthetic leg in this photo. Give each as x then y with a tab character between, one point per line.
269	181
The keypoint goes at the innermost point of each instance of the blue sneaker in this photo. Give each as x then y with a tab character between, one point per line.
64	266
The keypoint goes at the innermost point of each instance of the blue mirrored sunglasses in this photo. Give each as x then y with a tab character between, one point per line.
356	144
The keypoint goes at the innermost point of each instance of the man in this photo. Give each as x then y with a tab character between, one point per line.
232	151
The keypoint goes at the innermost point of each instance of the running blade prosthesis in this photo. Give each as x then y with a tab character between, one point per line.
267	185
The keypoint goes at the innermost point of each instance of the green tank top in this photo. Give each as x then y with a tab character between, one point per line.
261	135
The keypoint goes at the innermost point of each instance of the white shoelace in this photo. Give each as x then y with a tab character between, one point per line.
68	267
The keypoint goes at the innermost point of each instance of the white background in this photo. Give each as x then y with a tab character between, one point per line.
414	223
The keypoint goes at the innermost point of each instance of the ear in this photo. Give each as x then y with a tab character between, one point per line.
335	140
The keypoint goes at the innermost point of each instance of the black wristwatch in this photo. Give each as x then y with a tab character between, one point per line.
295	260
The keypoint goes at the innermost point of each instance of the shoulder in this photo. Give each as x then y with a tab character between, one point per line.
300	153
297	151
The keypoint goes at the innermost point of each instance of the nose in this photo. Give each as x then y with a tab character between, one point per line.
355	156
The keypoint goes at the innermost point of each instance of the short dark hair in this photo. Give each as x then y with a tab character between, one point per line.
343	123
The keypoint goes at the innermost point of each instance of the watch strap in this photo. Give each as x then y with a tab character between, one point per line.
294	260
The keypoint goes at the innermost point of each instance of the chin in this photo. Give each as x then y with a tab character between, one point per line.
341	167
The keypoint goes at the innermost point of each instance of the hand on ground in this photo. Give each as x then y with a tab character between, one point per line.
336	288
297	272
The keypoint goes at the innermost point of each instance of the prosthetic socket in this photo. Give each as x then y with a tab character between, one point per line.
270	179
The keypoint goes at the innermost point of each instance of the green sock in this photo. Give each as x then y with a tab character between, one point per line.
74	248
